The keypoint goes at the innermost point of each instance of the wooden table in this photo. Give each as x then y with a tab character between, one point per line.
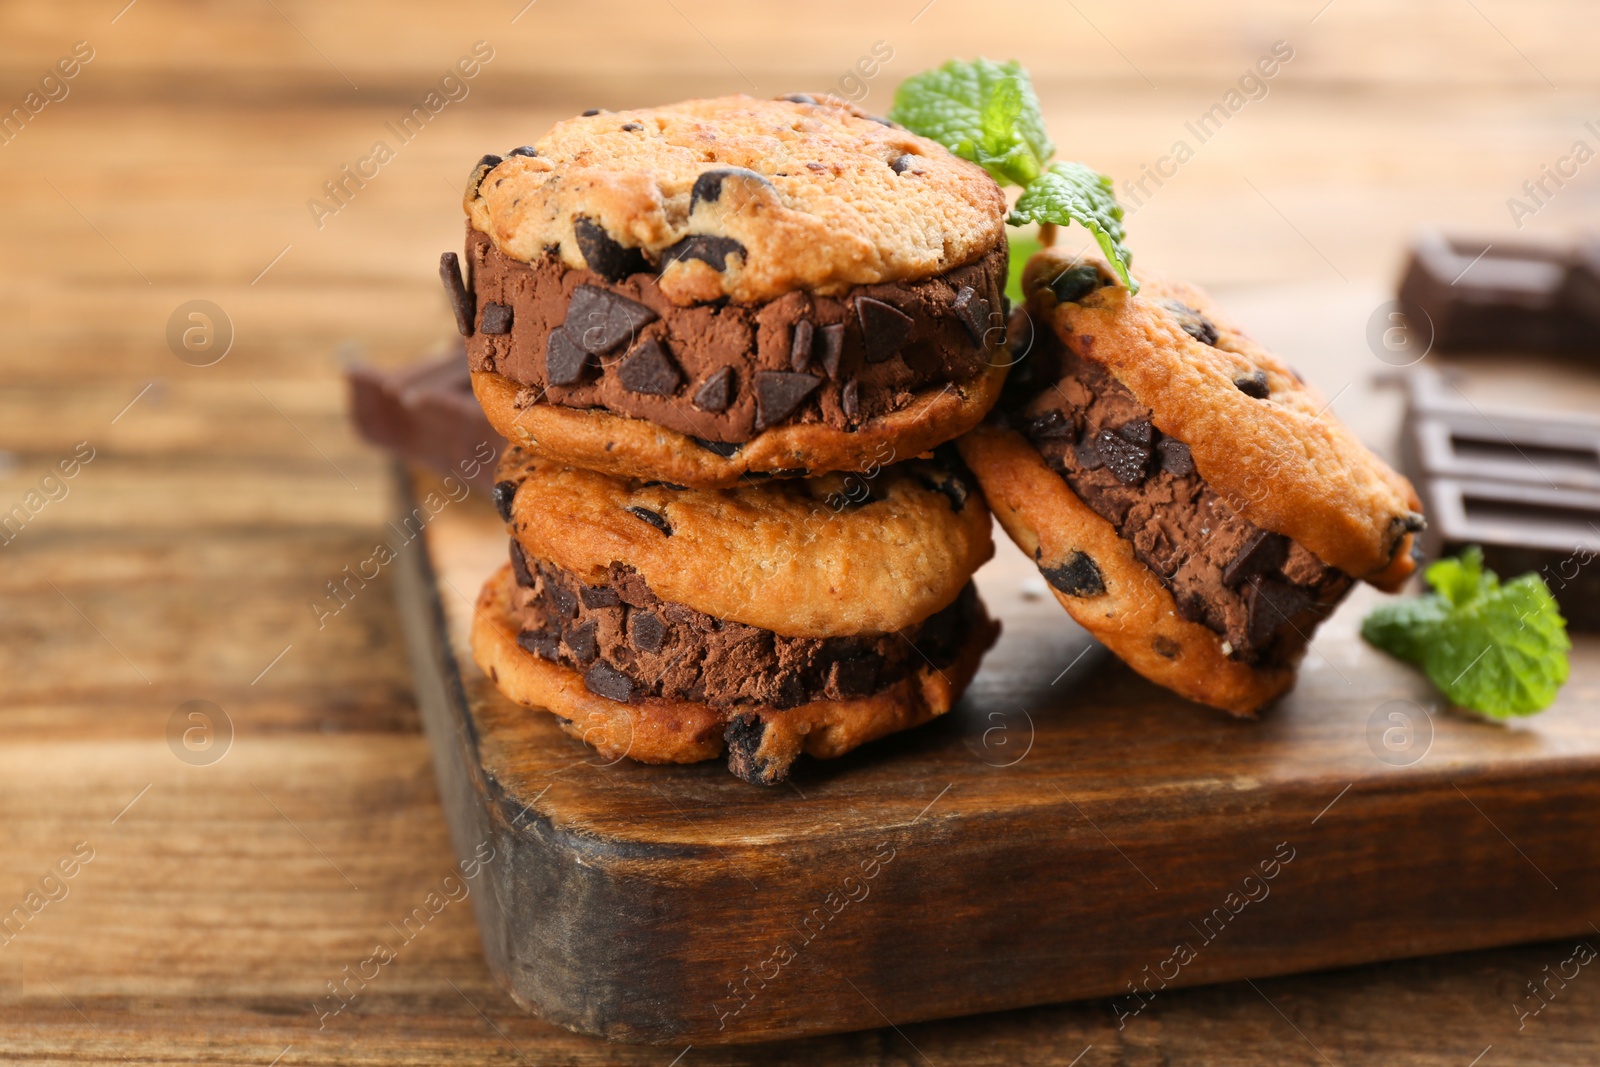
183	560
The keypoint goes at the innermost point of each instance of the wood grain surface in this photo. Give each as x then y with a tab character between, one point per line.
183	562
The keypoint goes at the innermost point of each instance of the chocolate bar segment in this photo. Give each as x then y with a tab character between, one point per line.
426	413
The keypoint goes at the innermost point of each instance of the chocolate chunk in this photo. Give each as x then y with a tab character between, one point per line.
1192	322
648	369
725	449
708	186
581	642
779	393
954	489
525	150
1253	384
456	290
646	631
743	737
1089	457
566	603
973	311
598	596
856	676
496	318
504	493
704	247
1272	606
541	643
829	347
1264	551
850	399
632	127
600	321
901	164
603	254
715	394
605	680
800	345
884	328
1075	283
1175	457
1139	431
479	172
1165	647
1052	424
800	98
1126	459
654	518
593	111
564	362
519	565
1078	576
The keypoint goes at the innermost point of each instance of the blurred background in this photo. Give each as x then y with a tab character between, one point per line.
187	157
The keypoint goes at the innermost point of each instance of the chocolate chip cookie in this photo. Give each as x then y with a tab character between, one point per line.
850	615
728	287
1189	499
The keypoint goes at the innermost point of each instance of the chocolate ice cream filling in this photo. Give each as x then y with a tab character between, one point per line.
1262	592
724	372
629	643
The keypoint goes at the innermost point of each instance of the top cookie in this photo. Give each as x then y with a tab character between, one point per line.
779	194
1258	434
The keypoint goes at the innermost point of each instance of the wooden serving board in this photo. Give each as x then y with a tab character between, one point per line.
1069	831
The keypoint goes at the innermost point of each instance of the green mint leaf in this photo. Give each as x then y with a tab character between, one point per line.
1498	649
1071	192
1024	243
982	111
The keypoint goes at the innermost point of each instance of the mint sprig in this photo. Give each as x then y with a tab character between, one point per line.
1497	649
988	113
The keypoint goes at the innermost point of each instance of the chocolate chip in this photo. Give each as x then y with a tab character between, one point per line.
743	737
829	348
800	345
580	641
1263	551
708	186
1126	459
605	680
496	318
1165	646
1139	431
1052	424
646	631
954	489
901	164
1192	322
856	676
1078	576
565	602
648	369
540	643
564	362
1272	605
1175	457
1075	283
710	250
1087	454
519	565
779	393
725	449
456	289
800	98
973	311
593	111
715	394
525	150
479	171
598	596
884	328
654	518
503	493
850	399
632	127
599	320
1254	384
603	254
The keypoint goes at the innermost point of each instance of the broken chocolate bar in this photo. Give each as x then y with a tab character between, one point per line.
427	414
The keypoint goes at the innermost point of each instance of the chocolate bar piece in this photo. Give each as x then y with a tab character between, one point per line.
1523	485
1479	295
427	414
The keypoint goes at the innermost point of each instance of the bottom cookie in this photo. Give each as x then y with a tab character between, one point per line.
761	741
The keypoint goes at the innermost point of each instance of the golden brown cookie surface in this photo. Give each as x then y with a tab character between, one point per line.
815	557
782	195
